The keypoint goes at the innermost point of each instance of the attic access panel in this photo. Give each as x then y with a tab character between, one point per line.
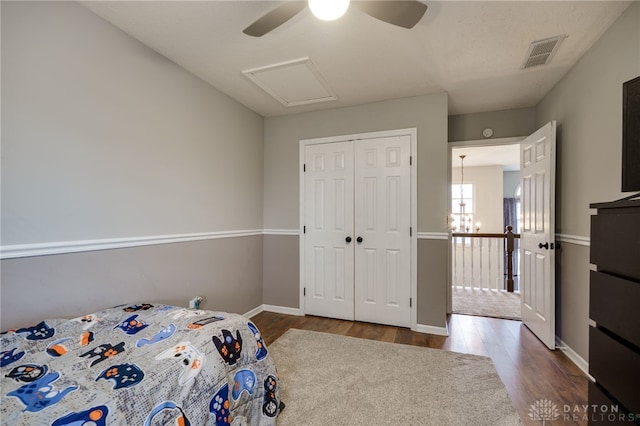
292	83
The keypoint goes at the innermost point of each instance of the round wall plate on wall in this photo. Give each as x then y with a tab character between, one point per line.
488	132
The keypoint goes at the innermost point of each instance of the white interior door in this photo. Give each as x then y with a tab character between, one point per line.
328	218
382	226
537	236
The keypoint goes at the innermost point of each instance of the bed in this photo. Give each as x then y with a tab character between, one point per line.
142	364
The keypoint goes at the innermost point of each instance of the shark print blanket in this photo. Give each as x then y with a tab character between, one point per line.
142	364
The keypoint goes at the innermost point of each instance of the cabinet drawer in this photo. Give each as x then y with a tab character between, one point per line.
603	409
613	304
616	368
615	243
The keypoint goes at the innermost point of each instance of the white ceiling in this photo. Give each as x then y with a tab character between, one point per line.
472	50
507	156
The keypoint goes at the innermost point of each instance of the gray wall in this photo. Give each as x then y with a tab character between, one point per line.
281	273
104	138
281	153
506	123
281	181
510	181
226	272
587	104
487	207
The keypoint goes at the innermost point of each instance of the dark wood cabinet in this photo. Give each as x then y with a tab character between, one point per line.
614	305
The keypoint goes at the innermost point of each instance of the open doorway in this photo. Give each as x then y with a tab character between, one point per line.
484	200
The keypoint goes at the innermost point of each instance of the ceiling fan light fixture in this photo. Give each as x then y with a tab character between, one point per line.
328	10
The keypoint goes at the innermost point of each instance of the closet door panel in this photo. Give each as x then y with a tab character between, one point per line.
383	219
328	215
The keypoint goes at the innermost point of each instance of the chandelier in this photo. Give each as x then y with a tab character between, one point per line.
465	220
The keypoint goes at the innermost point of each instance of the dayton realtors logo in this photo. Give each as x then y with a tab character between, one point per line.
546	411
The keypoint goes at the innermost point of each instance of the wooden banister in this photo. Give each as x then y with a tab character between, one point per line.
484	235
509	236
510	243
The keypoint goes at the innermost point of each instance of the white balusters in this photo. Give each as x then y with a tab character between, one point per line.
479	264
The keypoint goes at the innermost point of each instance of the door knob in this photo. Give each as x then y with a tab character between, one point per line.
544	246
359	240
348	240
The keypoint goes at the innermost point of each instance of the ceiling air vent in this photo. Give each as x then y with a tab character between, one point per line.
542	51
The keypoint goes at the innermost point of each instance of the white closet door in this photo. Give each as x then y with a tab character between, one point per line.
328	204
383	221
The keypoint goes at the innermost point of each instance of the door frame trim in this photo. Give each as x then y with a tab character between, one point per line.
458	144
413	137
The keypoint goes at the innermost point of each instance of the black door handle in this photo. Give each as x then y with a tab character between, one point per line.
348	240
544	246
359	240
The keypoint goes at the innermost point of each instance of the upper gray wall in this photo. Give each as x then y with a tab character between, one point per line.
507	123
102	137
510	182
282	135
587	104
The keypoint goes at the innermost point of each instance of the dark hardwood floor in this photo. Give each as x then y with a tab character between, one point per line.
529	371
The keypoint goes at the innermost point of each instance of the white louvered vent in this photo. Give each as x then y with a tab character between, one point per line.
542	51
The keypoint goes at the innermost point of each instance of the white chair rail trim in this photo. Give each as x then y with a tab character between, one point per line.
433	236
281	232
574	239
63	247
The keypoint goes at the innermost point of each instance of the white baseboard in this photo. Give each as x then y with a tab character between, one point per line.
275	309
420	328
255	311
430	329
283	310
580	362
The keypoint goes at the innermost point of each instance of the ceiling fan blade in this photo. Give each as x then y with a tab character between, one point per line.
404	14
275	18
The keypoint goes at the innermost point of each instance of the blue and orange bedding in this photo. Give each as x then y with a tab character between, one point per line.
138	364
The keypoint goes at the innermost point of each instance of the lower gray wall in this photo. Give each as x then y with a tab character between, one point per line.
432	282
227	272
572	297
282	276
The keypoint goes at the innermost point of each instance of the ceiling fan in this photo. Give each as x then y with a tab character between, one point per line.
404	14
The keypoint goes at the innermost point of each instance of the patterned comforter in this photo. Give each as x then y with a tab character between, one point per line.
138	365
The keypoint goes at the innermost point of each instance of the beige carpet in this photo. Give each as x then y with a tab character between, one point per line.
328	379
486	303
